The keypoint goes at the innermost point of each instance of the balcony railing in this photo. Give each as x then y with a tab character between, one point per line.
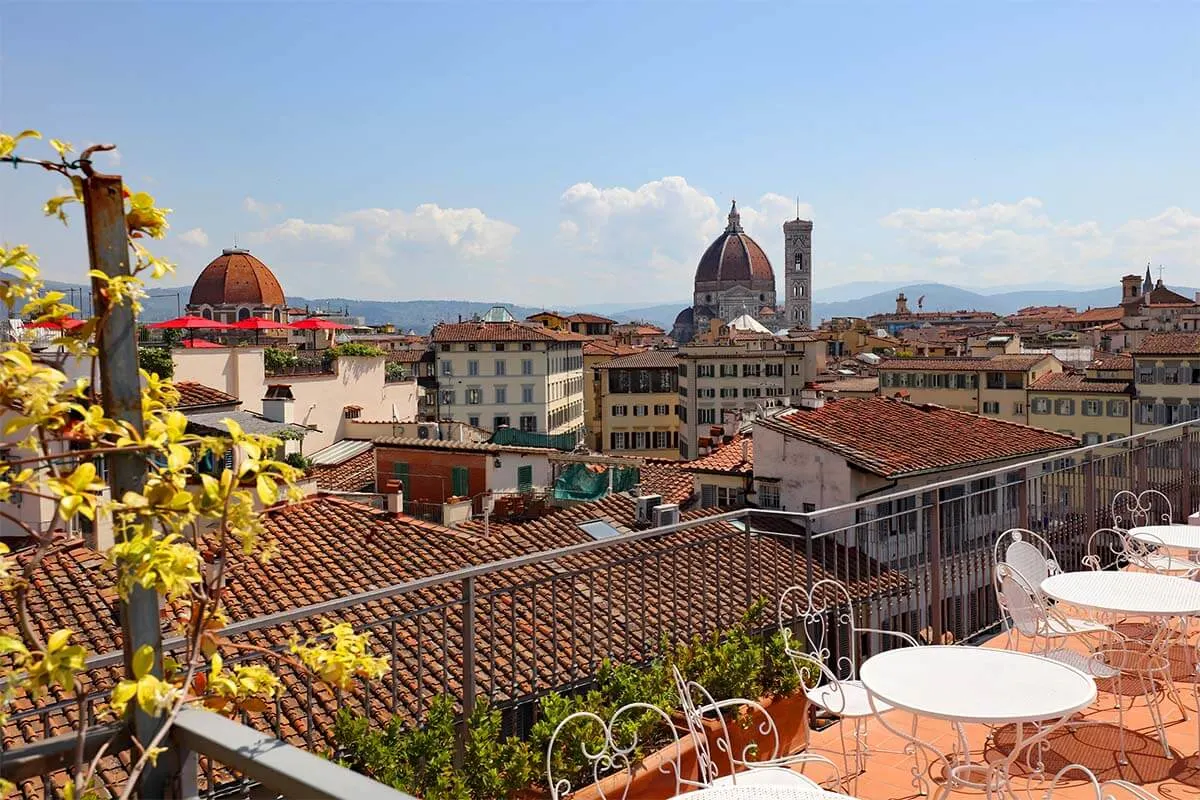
916	560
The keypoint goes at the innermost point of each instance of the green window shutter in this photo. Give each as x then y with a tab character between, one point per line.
400	473
525	478
459	479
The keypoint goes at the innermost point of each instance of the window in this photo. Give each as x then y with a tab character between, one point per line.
1091	408
474	396
774	370
472	367
527	394
641	411
991	407
729	391
499	422
472	347
1064	407
706	416
662	440
1145	373
525	478
526	346
616	440
768	495
501	366
1092	438
400	473
702	371
460	484
809	507
683	392
620	411
473	421
706	393
528	423
501	395
352	412
499	346
729	370
796	369
751	371
527	366
447	397
1018	408
662	410
640	440
1170	374
447	368
750	391
1040	405
1118	408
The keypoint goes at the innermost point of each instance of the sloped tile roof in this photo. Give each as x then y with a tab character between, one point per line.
598	347
501	332
1162	296
1169	344
463	446
1099	315
197	395
727	459
1113	362
668	479
894	438
408	355
650	359
965	363
1072	382
593	319
356	474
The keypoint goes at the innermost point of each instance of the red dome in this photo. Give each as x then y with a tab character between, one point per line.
237	278
734	256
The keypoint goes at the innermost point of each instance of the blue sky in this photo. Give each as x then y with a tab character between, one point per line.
561	153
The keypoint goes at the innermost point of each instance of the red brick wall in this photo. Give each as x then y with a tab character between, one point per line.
430	472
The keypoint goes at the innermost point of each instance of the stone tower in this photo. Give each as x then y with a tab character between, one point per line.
797	272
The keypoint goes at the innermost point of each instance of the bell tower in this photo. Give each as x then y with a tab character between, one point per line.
797	272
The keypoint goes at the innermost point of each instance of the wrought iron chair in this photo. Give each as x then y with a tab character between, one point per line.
829	672
1108	790
1150	507
1028	553
1024	613
750	767
615	754
1106	547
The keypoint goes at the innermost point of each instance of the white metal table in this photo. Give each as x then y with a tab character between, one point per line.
1143	594
1177	537
761	793
975	685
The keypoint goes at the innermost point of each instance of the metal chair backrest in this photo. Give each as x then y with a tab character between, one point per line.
1150	507
1019	600
825	615
1108	790
616	754
1028	553
1106	547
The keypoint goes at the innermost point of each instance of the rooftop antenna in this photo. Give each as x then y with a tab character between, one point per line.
1160	273
235	241
797	206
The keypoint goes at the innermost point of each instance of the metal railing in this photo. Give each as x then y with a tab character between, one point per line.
511	631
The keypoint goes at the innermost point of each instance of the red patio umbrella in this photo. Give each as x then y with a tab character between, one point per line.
62	324
318	324
257	324
190	323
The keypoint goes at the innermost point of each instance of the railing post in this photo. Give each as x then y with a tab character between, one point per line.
810	530
121	397
1023	500
1139	466
1089	496
468	666
748	560
1185	467
935	565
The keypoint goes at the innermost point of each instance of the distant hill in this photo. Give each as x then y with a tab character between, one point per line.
838	301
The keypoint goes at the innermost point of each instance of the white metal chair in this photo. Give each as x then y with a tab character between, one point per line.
827	661
1024	612
749	767
1028	553
1150	507
1108	790
1106	547
613	755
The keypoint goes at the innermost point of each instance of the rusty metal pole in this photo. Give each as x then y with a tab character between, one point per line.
935	566
121	396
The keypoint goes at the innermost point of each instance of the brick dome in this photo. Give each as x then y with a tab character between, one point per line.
237	278
734	256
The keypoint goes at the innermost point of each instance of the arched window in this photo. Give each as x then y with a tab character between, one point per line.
278	315
206	313
243	313
797	290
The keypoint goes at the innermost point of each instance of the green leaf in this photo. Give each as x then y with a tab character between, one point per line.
143	661
57	640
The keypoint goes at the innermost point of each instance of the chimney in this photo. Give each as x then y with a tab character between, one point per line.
811	397
395	497
278	404
745	449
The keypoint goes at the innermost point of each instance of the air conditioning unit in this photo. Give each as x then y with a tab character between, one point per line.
645	507
666	514
423	432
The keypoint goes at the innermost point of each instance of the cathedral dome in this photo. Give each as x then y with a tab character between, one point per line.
734	257
237	278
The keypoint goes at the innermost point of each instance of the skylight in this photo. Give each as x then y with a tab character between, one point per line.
599	529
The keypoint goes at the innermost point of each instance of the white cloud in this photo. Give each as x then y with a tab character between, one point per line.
651	237
261	209
429	251
196	237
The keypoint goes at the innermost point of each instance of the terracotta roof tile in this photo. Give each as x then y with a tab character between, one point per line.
196	395
650	359
604	348
893	438
501	332
1169	344
409	355
356	474
668	479
593	319
1099	315
464	446
727	459
1113	362
1071	382
965	363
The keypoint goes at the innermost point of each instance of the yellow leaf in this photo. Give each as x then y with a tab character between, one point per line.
57	640
143	660
266	490
122	694
61	147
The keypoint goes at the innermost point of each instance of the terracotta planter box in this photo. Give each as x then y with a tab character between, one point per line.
649	783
